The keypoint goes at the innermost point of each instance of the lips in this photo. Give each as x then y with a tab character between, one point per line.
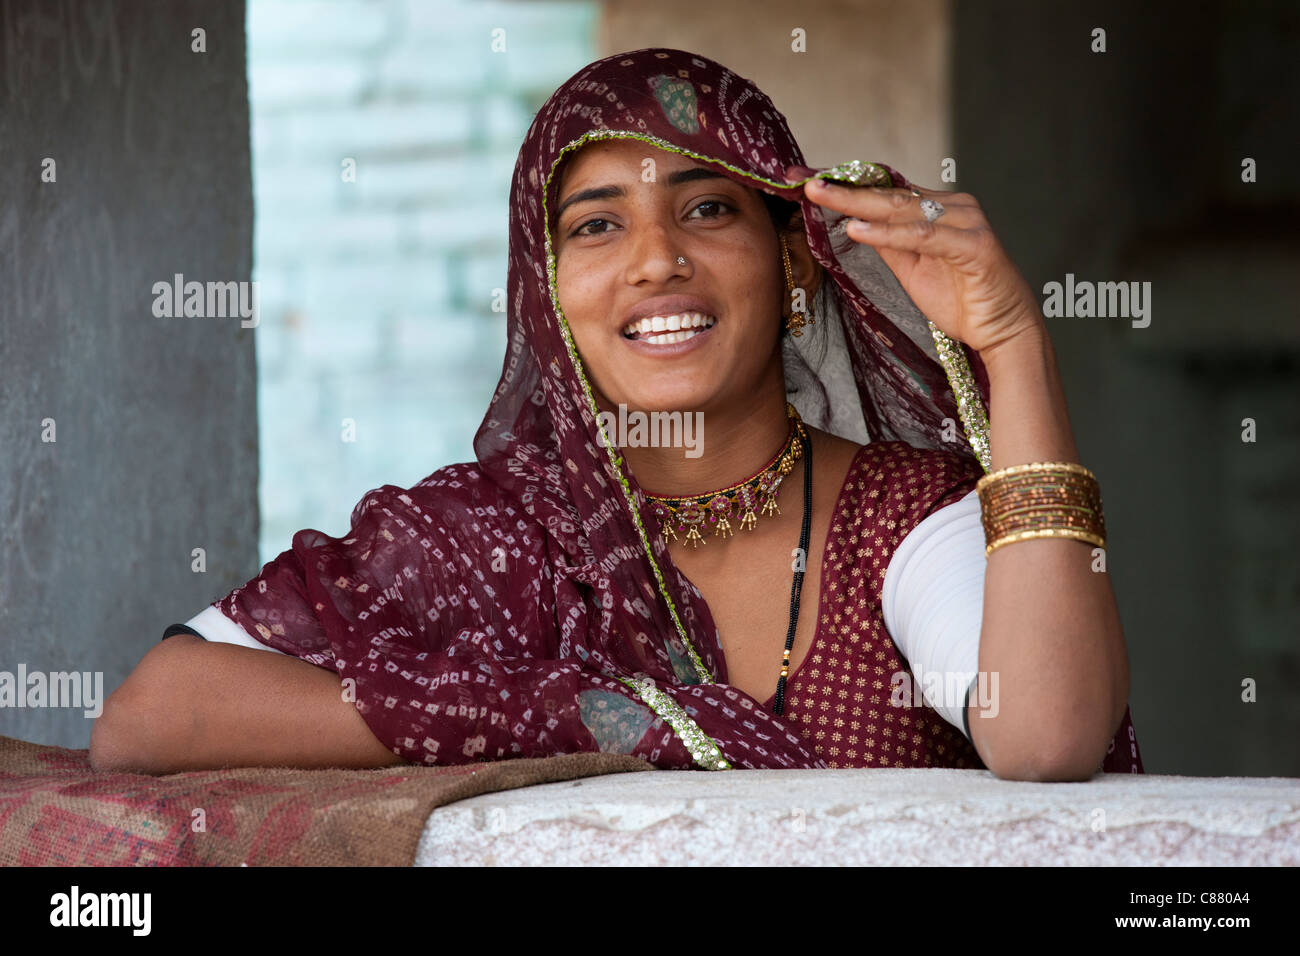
667	305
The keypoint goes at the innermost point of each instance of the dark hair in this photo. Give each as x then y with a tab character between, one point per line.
781	210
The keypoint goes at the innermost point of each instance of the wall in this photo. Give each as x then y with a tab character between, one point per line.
870	83
153	420
380	349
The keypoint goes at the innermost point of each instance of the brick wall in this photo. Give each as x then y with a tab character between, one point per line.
375	295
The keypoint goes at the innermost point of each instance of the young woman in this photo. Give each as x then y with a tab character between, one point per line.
594	581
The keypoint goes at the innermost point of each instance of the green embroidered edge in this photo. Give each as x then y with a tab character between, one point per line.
616	460
854	170
703	748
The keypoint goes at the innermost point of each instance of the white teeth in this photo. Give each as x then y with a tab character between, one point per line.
668	338
670	324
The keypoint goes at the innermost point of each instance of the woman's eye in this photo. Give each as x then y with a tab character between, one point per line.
585	230
713	202
579	231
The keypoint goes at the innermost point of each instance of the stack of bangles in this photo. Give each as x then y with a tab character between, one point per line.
1044	499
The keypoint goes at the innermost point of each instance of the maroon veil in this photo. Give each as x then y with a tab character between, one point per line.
519	605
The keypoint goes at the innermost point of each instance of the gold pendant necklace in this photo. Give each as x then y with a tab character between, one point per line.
718	507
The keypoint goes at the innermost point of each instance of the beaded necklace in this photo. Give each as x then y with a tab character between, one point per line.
761	490
718	507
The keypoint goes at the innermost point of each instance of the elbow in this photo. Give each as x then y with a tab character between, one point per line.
1047	758
136	731
115	741
1067	765
1069	746
106	743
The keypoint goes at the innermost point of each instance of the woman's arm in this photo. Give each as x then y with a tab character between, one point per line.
1051	629
194	705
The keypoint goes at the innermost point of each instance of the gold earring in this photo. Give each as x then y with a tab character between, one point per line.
797	320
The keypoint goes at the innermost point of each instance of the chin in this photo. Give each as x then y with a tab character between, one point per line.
668	399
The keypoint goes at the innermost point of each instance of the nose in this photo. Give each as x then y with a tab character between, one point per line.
653	254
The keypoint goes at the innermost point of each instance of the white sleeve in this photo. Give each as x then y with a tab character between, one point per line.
933	604
215	626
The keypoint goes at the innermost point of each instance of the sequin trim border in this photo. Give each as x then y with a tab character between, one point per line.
703	748
970	406
615	460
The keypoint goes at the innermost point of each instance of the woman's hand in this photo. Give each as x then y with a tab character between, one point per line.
954	268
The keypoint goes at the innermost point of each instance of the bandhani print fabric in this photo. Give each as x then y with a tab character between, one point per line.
517	605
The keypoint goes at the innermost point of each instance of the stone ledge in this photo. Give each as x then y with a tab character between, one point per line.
861	817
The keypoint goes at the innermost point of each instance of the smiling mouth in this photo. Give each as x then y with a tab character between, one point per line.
668	329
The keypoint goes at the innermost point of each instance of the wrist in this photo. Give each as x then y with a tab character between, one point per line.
1028	341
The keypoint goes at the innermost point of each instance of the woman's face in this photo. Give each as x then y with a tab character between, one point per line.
616	257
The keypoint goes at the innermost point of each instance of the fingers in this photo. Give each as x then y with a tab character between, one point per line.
882	204
921	237
946	196
889	218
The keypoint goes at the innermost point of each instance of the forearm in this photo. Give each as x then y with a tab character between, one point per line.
1051	629
194	705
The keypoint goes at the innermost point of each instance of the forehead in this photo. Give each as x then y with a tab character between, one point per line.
608	160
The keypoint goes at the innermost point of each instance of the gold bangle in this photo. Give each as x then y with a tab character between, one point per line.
1034	466
1041	500
1045	533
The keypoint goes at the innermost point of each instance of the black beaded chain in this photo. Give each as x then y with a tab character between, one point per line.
796	588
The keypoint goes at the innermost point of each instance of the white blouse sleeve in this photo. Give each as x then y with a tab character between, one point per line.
212	625
933	604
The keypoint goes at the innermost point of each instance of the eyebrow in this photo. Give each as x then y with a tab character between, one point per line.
615	192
